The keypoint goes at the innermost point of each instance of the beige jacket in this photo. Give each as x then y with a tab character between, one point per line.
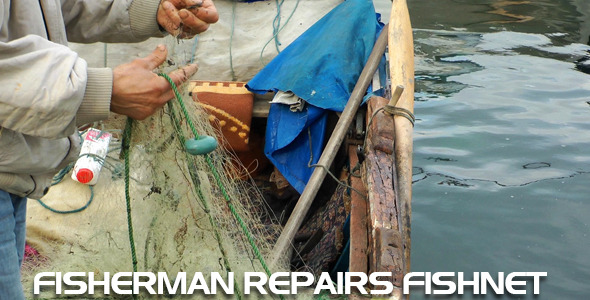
46	90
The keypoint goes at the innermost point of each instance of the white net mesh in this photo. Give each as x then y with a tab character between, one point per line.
189	213
182	220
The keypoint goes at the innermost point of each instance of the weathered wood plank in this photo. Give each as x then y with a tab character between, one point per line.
385	241
391	255
358	218
380	170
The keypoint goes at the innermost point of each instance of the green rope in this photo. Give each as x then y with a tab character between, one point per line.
276	24
125	152
69	211
57	179
181	103
219	182
61	174
276	33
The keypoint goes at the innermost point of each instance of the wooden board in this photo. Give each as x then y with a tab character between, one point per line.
385	242
358	217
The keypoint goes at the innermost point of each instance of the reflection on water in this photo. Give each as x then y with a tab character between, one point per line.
502	140
502	8
538	16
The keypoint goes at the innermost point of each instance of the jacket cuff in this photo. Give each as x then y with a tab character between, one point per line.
142	18
96	104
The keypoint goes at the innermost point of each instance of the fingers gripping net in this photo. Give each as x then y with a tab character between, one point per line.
189	213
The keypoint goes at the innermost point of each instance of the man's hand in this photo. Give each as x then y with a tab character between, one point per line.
138	92
186	18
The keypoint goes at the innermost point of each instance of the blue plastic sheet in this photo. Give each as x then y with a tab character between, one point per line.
322	67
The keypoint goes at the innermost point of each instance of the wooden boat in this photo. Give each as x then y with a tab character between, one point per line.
380	206
380	214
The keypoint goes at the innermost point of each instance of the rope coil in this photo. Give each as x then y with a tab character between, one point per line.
399	111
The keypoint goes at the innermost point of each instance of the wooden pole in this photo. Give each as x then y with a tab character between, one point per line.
327	157
401	66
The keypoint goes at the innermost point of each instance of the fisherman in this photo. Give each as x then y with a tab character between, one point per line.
47	91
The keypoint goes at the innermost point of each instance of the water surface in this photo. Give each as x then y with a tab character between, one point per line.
502	141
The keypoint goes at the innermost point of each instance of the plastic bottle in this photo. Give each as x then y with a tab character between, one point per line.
92	155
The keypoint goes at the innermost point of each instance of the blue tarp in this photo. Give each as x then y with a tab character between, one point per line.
322	67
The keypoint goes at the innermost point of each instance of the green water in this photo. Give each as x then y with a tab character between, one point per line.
502	141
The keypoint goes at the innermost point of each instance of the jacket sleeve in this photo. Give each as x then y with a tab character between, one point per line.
47	90
111	21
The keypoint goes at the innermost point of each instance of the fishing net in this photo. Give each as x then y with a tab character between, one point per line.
187	213
169	211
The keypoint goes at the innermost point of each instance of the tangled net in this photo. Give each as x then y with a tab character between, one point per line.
188	213
184	214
